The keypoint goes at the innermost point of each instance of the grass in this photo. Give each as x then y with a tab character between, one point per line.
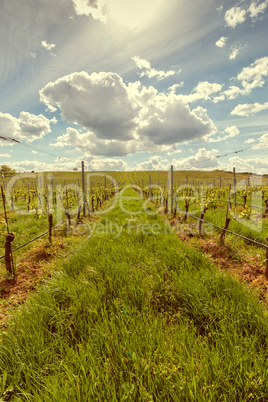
136	317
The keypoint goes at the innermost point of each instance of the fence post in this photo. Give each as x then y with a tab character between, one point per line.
9	258
68	220
50	223
83	188
171	188
266	270
234	176
105	192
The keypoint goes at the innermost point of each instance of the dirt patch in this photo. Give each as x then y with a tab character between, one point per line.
246	268
31	269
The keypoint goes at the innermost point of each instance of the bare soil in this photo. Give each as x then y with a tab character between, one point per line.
32	268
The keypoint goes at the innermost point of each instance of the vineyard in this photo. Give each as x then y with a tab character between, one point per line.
31	199
130	308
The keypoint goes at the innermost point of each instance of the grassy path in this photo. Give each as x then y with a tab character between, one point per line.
134	315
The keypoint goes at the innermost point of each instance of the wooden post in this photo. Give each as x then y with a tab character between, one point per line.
175	208
200	226
171	189
222	238
68	221
220	181
4	204
105	192
186	209
234	186
83	188
150	189
8	255
50	224
52	189
266	270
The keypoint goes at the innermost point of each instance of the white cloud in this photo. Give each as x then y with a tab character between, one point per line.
63	164
105	164
235	16
90	7
5	156
233	92
219	9
234	52
255	9
253	76
27	127
98	102
231	131
245	165
263	143
122	119
149	71
174	87
203	160
203	90
249	109
175	123
250	141
33	54
222	41
154	163
47	46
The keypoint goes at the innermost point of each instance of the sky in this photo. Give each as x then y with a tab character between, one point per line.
134	85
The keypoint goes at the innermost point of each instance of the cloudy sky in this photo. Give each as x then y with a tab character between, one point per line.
134	84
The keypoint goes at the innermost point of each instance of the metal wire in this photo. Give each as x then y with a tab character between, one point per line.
226	230
37	237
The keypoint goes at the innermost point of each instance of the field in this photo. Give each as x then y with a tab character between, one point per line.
134	301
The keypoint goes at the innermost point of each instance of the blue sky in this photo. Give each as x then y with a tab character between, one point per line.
134	84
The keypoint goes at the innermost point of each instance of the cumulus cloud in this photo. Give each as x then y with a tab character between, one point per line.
176	123
248	109
99	102
121	119
47	46
90	7
99	164
253	76
87	142
257	8
222	41
64	164
245	165
263	142
250	77
154	163
234	52
149	71
249	141
173	88
204	90
235	16
27	127
231	131
203	159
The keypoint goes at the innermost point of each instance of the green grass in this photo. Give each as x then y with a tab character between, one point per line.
136	317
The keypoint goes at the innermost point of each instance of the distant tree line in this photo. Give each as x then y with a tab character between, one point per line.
6	171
